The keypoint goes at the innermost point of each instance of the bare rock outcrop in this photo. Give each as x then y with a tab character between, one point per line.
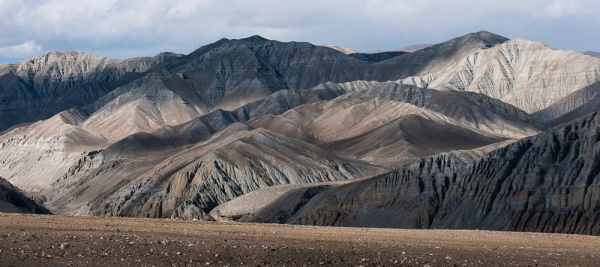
545	183
569	103
41	87
529	75
12	200
236	161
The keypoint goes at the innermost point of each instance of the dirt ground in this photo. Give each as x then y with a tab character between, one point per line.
32	240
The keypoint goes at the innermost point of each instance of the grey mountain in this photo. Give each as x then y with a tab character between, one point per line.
180	136
413	48
40	87
544	183
592	53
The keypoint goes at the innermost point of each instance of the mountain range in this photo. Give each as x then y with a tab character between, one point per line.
592	53
479	132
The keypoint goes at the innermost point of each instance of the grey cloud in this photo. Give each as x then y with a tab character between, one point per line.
125	28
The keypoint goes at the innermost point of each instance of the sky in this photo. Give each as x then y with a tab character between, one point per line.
131	28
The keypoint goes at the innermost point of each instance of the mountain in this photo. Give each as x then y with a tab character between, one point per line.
344	50
377	57
413	48
181	136
436	57
315	120
545	183
592	53
575	100
591	106
226	74
388	123
12	200
34	156
338	116
192	181
529	75
40	87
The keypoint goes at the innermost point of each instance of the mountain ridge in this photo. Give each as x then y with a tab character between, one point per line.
178	136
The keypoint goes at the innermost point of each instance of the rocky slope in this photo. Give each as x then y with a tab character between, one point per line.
12	200
413	48
40	87
175	136
591	106
569	103
344	50
388	123
546	183
377	57
436	57
592	53
226	74
381	123
189	183
34	156
527	74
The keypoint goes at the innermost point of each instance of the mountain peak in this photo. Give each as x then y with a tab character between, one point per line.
525	42
487	37
69	55
255	39
344	50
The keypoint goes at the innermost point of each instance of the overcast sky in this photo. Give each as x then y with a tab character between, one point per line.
128	28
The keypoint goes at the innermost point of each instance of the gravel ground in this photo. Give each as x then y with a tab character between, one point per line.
33	240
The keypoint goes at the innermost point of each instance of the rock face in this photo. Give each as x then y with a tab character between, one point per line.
344	50
527	74
12	200
546	183
216	158
568	103
436	57
237	160
34	156
389	123
136	164
589	107
40	87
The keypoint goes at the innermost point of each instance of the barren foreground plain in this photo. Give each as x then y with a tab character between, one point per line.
34	240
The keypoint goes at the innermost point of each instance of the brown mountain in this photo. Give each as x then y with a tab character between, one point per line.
12	200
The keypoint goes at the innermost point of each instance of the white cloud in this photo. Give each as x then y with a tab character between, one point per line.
559	8
26	49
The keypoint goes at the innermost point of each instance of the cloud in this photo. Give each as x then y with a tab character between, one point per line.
559	8
26	49
126	28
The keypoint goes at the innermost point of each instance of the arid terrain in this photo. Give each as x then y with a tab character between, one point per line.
196	159
38	240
